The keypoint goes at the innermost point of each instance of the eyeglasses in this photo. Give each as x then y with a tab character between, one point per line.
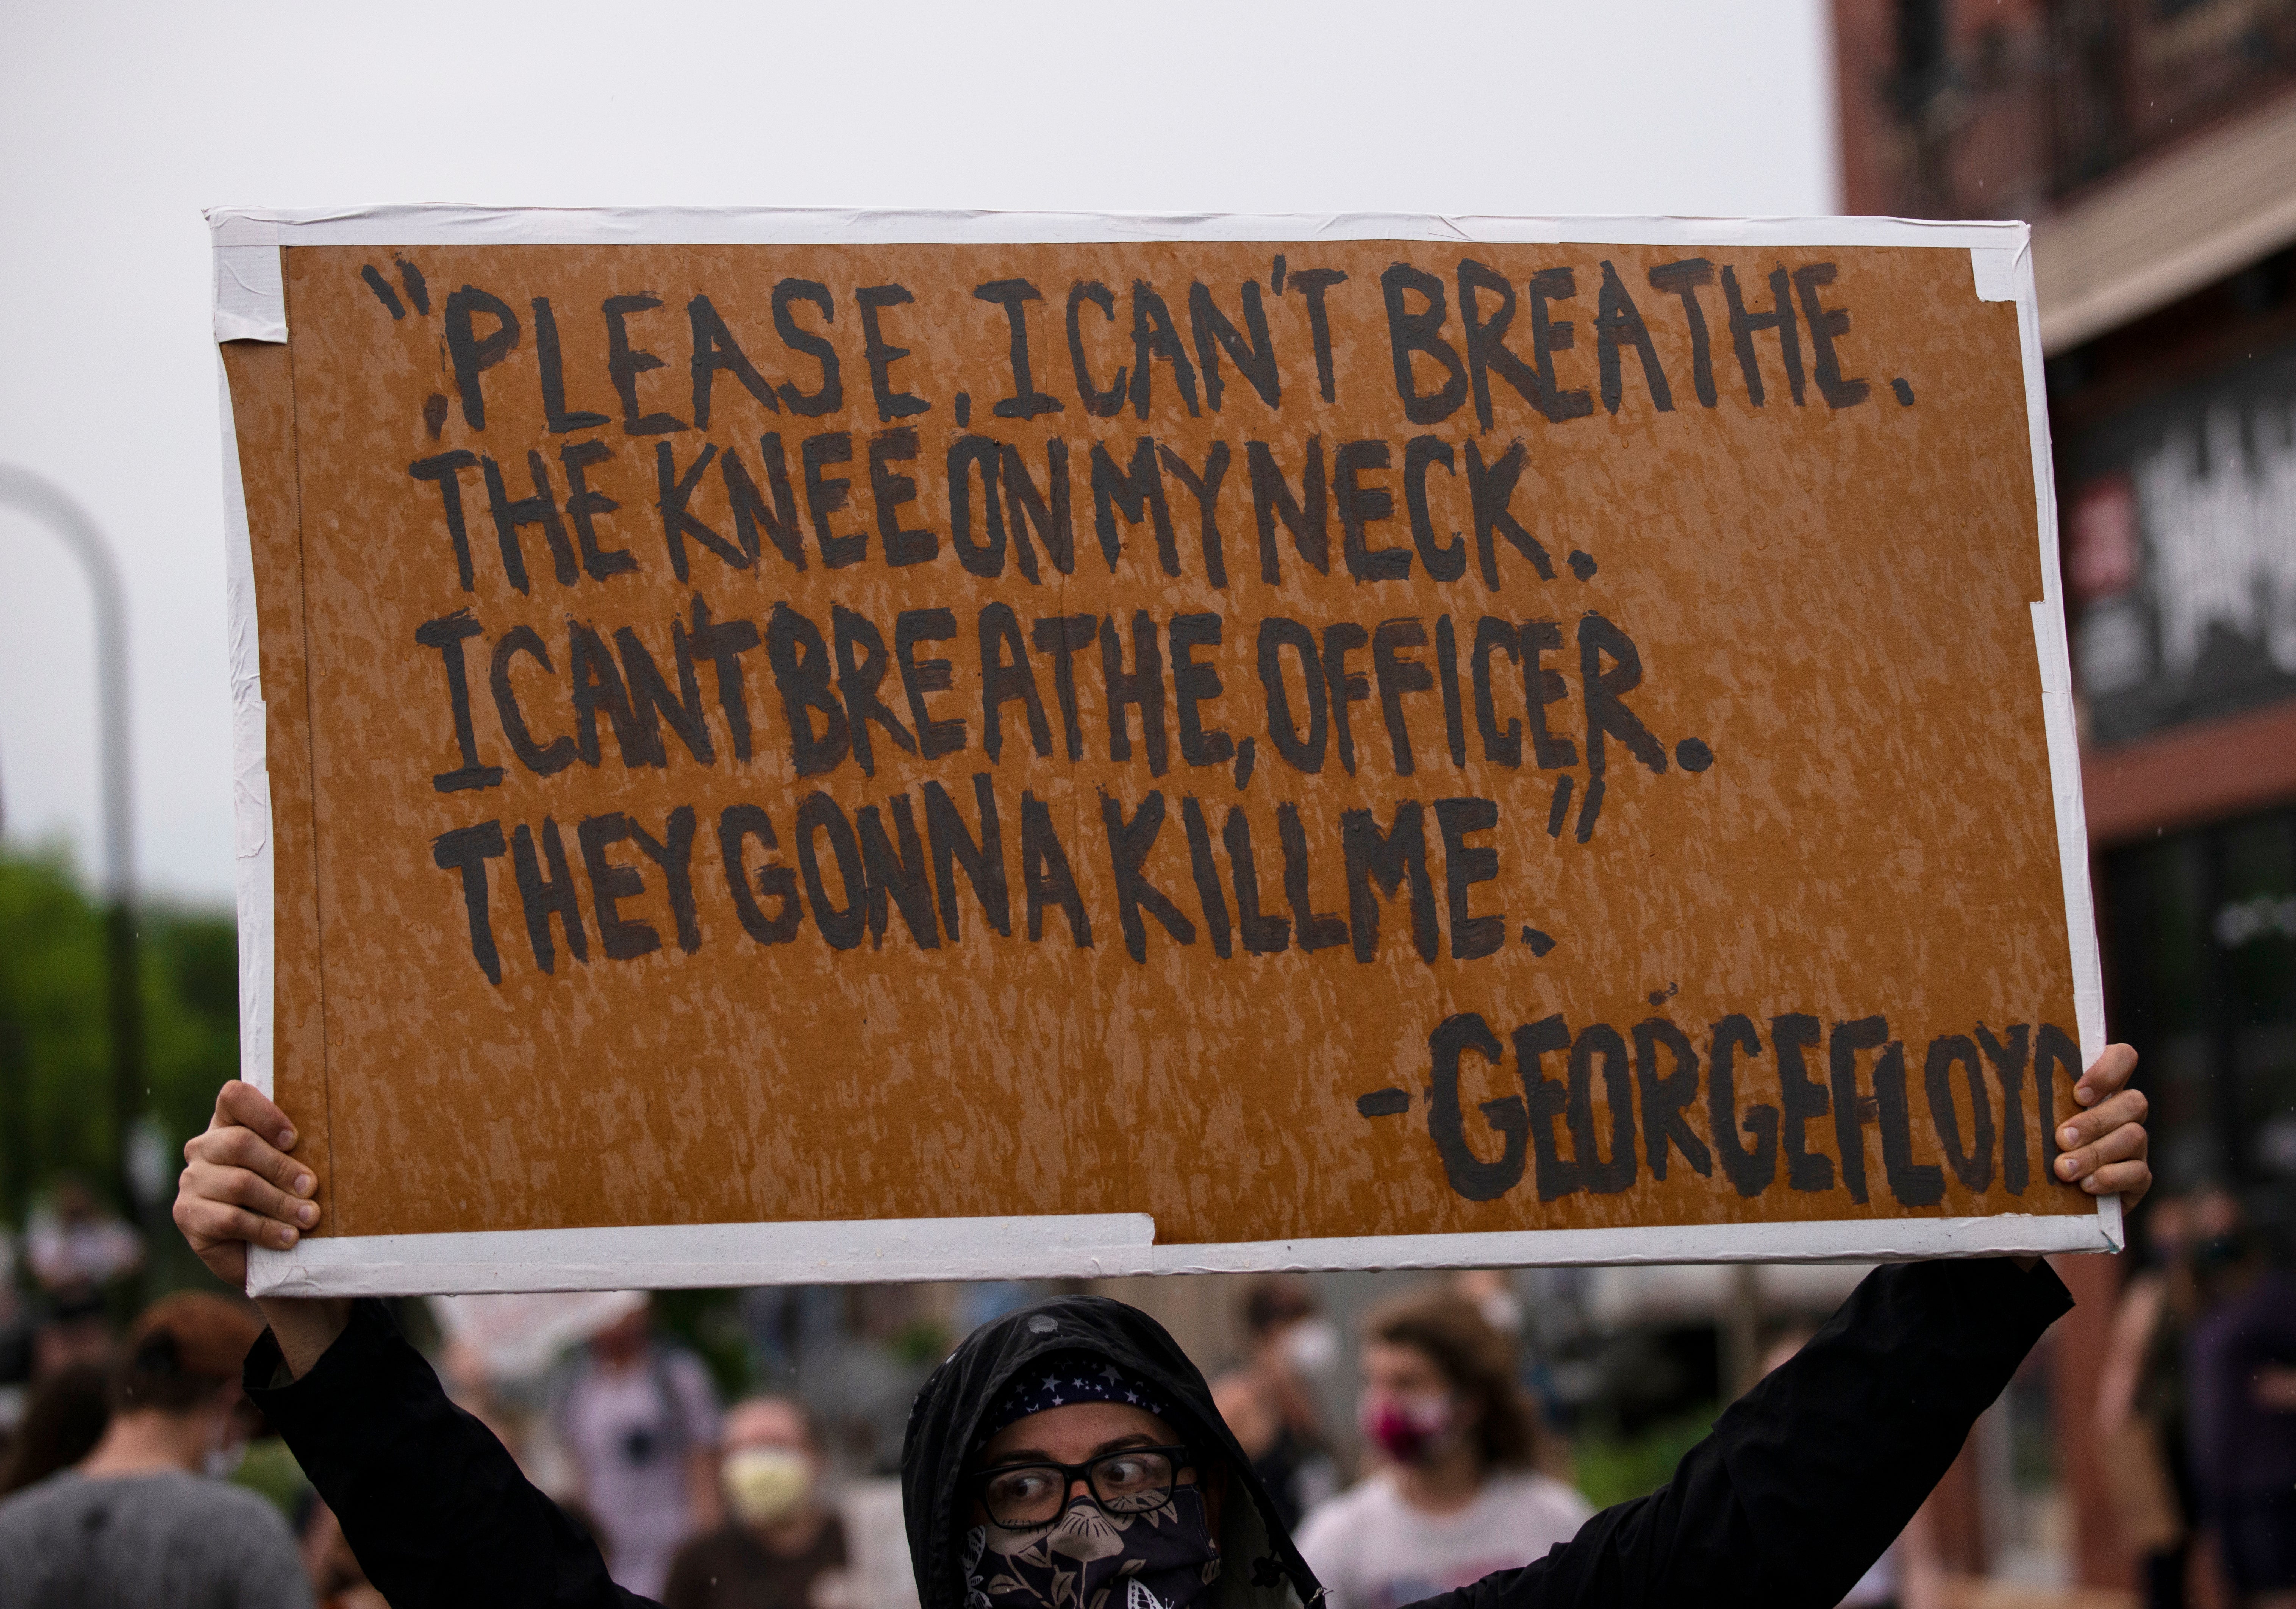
1022	1497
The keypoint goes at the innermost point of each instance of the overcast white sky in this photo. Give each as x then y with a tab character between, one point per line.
119	122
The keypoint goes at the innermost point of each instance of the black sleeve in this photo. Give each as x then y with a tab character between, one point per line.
433	1505
1809	1476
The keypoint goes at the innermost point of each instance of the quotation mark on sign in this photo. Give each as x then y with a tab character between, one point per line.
418	291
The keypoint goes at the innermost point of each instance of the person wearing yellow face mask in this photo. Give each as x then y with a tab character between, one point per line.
779	1541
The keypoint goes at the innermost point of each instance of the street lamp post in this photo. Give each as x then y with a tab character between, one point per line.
44	500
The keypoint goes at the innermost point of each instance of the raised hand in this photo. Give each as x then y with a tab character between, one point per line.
241	1183
2104	1147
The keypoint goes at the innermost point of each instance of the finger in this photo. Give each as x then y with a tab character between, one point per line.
2130	1106
2107	1076
241	1187
207	1224
232	1147
238	1147
242	1103
2117	1145
2126	1143
225	1259
2128	1180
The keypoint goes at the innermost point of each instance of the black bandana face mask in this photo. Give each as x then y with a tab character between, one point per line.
1087	1559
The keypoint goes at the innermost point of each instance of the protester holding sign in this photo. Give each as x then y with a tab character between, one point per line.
1068	1447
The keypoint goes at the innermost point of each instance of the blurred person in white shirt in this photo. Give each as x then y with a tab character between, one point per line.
638	1418
75	1247
1454	1494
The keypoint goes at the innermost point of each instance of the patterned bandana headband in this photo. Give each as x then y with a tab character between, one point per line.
1061	1378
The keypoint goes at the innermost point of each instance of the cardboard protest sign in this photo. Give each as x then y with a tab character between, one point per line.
781	745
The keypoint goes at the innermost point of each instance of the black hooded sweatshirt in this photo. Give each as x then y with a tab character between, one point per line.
1801	1485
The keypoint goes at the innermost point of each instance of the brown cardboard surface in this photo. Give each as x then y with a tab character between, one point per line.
1833	598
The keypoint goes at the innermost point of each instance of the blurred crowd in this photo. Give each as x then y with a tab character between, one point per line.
2196	1405
1417	1447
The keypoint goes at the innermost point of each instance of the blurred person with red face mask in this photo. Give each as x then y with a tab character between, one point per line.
780	1547
1453	1498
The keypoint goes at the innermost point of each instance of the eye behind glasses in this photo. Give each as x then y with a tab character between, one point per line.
1131	1480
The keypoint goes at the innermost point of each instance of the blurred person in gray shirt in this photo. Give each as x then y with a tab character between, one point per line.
145	1518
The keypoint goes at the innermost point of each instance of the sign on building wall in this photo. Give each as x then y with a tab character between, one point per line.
2180	545
800	746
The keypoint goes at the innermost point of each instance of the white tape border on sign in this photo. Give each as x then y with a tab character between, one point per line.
685	1256
2005	273
1871	1240
251	776
1103	1246
250	302
250	305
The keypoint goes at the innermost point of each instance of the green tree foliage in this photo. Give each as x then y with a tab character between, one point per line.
56	1107
1612	1468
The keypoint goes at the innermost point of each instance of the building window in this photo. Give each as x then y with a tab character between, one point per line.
2200	936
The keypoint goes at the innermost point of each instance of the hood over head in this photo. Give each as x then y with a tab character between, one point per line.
1261	1569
